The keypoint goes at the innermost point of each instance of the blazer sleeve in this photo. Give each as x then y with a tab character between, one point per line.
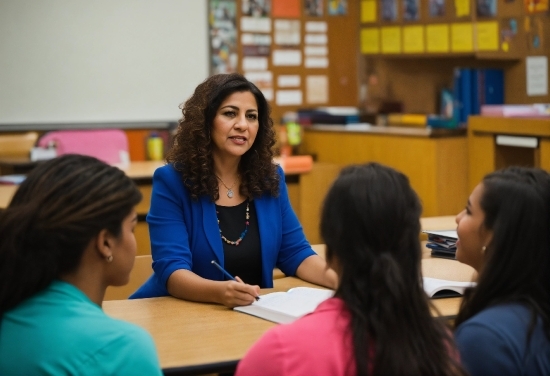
168	229
294	246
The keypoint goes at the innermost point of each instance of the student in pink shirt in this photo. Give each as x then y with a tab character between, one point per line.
379	321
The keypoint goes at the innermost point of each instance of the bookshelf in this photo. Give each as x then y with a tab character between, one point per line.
403	54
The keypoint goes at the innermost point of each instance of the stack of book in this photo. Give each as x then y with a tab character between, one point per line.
442	243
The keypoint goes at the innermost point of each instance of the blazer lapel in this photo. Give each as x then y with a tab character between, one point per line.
211	228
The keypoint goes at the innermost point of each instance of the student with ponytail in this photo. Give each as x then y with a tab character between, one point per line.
67	235
503	327
379	321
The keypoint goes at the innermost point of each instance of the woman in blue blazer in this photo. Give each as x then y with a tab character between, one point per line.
222	199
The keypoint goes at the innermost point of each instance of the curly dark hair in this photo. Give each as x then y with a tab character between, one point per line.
193	145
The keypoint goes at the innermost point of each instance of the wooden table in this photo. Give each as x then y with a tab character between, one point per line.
198	338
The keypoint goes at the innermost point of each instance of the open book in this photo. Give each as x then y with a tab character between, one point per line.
441	288
285	307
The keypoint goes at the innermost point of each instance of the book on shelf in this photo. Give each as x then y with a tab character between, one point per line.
442	243
441	288
285	307
516	110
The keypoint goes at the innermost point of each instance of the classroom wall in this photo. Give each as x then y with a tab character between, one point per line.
99	61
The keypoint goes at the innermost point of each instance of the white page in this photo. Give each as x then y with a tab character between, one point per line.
288	97
288	80
255	24
316	62
255	63
287	57
316	27
434	285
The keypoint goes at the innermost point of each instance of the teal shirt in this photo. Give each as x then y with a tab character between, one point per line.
60	331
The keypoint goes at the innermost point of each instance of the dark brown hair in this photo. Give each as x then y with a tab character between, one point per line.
192	150
370	224
59	208
516	205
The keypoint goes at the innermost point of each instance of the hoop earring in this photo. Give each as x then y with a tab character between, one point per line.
109	258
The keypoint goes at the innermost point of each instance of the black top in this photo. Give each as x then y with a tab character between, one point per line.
243	260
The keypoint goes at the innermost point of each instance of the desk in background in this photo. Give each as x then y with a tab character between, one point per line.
306	190
435	160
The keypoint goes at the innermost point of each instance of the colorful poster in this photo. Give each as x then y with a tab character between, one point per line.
337	7
389	10
313	8
411	10
436	8
223	36
486	8
534	6
256	8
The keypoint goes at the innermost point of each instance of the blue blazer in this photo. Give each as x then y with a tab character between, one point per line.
185	234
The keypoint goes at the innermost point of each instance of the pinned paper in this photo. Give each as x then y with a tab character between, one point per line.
255	24
487	36
254	63
285	8
287	57
316	39
391	39
287	32
316	50
368	11
462	8
413	39
288	97
288	80
537	75
317	89
316	27
370	41
316	62
255	39
462	37
437	38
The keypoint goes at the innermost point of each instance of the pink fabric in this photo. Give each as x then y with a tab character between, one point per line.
317	344
104	144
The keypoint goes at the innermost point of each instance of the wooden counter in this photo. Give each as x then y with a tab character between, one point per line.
486	156
435	160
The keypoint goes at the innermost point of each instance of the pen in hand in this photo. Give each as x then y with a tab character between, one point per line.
228	275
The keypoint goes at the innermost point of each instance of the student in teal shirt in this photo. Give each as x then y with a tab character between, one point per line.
67	235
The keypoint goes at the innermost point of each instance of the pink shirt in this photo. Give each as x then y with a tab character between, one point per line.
317	344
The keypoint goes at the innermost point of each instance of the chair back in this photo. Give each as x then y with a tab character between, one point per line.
108	145
17	145
140	273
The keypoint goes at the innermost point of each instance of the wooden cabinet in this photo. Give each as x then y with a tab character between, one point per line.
487	156
434	160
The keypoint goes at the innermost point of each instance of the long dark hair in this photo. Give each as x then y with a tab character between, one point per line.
192	150
516	204
55	213
370	223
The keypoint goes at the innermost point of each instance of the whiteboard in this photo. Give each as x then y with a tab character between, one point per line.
73	61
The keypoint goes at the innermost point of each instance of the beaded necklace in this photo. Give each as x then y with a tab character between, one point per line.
243	234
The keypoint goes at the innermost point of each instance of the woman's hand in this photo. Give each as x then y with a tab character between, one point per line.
237	293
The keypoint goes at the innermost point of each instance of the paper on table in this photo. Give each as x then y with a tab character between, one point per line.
285	307
441	288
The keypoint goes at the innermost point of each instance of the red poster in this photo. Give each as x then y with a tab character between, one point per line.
285	8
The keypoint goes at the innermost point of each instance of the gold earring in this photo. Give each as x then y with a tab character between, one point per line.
483	249
109	258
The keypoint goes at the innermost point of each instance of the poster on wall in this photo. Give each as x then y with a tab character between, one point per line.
223	36
436	8
411	10
313	8
256	8
486	8
337	7
389	10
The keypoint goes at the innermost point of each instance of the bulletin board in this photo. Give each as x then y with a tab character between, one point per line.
300	53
